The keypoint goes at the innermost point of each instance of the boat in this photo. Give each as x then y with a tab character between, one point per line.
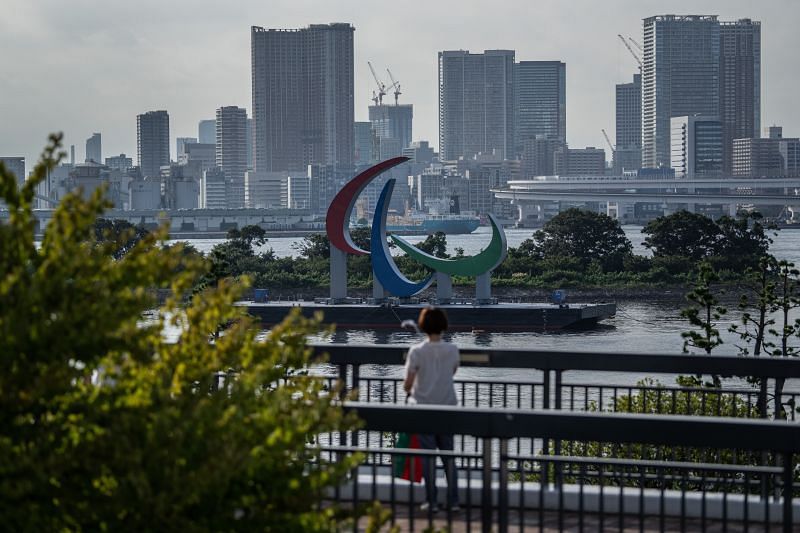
449	224
462	316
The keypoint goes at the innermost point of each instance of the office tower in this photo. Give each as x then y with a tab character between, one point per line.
420	152
152	142
476	104
249	132
302	97
180	146
15	165
773	157
392	122
119	162
213	189
94	150
680	77
540	101
696	146
538	155
589	161
628	150
205	155
207	131
231	150
740	84
363	143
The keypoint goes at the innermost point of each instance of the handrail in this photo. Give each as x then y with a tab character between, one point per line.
722	433
723	365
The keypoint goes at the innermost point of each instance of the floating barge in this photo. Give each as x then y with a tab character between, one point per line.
490	317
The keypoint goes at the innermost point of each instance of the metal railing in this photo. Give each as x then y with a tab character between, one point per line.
721	473
556	380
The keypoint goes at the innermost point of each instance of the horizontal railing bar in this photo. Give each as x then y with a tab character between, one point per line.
497	381
718	432
723	365
648	463
403	451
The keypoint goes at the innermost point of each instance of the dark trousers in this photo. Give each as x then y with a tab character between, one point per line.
441	442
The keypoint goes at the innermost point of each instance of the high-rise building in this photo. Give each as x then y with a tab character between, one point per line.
363	143
180	146
207	131
119	162
302	84
420	152
94	151
540	101
628	150
249	132
476	104
392	122
589	161
231	150
15	165
772	157
152	142
696	147
680	77
740	84
538	156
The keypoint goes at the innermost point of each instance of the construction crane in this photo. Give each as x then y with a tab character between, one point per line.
637	45
377	97
630	49
395	85
613	150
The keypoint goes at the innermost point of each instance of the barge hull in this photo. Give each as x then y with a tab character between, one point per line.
462	317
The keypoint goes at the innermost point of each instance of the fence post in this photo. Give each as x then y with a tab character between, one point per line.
788	490
502	496
486	487
557	467
545	475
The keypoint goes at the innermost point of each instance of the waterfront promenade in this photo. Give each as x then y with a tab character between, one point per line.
546	452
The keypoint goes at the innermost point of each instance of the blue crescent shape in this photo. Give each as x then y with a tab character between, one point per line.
383	266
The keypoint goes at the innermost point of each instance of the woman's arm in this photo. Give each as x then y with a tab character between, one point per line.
409	382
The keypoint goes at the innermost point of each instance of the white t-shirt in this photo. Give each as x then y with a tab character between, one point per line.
434	363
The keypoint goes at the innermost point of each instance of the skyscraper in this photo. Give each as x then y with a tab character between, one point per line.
152	142
540	101
207	131
15	165
363	143
476	103
231	150
628	151
302	84
680	77
740	84
392	122
696	146
180	146
94	151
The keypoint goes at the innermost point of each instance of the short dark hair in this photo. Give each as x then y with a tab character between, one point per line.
432	320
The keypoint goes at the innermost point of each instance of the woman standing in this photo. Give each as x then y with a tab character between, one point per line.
429	380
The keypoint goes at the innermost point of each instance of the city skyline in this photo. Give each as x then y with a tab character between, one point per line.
107	95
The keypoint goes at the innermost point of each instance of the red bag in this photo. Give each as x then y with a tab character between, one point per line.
403	463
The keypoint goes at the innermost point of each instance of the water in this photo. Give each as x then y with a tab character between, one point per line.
641	325
786	244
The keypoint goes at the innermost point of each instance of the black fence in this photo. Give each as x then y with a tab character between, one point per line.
749	386
705	473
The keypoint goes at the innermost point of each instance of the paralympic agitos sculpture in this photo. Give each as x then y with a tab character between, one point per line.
385	272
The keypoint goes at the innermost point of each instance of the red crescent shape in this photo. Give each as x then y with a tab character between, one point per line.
338	217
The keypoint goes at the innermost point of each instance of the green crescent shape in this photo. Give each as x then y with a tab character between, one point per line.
487	260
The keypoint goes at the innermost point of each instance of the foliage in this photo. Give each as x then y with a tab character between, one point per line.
582	234
682	234
107	425
704	313
121	233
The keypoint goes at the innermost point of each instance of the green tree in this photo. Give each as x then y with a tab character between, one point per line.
682	234
743	241
251	235
121	234
435	245
704	312
107	425
582	234
314	246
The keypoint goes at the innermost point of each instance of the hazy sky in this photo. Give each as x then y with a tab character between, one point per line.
82	66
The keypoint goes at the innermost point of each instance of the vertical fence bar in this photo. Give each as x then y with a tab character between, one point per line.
788	472
502	496
486	487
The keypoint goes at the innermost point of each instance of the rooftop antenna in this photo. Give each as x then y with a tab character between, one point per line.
377	97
